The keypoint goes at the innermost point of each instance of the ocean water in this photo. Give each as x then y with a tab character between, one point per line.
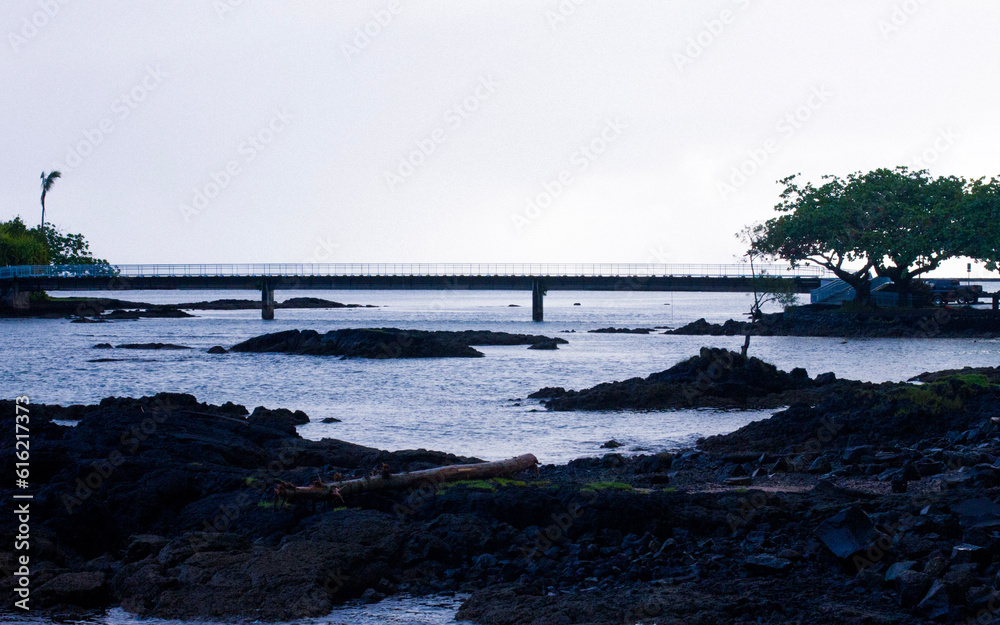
468	406
396	610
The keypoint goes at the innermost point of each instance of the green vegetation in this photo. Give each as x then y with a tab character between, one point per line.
490	484
972	379
20	245
607	486
898	223
942	396
270	504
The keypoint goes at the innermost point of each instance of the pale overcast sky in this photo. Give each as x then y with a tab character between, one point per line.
469	131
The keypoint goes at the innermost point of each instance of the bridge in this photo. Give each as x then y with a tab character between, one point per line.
16	282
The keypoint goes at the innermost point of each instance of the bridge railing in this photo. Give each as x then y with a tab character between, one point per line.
407	269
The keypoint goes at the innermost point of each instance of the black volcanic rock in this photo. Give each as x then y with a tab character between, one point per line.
385	343
553	344
715	378
820	320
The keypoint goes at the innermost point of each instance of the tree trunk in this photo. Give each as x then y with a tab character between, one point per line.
859	281
746	342
325	491
863	292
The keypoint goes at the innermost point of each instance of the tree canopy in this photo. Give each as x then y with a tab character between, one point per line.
896	222
20	245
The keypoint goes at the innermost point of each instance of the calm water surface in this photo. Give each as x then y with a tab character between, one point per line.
460	405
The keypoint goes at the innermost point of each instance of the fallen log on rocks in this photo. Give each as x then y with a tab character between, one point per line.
383	480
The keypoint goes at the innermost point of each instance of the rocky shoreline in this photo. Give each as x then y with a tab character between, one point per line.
818	320
875	504
97	309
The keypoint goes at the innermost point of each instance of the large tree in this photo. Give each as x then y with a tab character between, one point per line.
897	222
822	225
979	228
915	221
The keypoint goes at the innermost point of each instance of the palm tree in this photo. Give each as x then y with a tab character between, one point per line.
47	182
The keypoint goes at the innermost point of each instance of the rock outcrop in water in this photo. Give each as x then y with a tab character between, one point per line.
826	321
716	378
386	343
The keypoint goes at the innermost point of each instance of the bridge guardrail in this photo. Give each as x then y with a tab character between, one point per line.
407	269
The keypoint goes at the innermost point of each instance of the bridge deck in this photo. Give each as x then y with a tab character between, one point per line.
267	278
283	270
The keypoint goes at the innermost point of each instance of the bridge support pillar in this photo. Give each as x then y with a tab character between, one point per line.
267	302
17	299
537	293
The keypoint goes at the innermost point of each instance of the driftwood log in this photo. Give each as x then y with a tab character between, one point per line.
383	480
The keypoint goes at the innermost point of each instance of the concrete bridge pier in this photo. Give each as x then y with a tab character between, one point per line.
267	302
16	298
537	293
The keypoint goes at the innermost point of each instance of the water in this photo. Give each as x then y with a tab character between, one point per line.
396	610
456	404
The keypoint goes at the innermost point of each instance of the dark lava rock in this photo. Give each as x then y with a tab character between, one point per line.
168	346
86	589
621	331
855	417
329	420
848	532
935	603
823	321
156	312
979	512
385	343
103	346
715	378
315	302
246	304
544	345
612	444
263	416
548	392
218	349
766	564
